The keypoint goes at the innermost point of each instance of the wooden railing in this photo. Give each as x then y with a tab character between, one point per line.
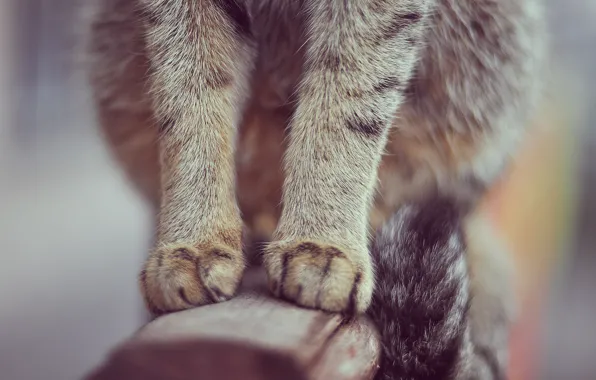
252	337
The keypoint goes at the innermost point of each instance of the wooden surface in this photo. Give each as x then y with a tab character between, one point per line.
252	337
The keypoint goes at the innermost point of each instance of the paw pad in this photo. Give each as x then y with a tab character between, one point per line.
181	277
317	276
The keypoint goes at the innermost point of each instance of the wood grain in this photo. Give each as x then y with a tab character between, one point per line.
252	337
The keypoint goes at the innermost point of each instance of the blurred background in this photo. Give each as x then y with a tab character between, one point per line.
73	232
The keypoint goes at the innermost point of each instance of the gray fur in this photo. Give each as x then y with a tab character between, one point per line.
438	322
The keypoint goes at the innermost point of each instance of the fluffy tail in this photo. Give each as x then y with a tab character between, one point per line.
421	302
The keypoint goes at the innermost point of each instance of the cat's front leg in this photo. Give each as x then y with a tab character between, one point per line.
201	54
359	58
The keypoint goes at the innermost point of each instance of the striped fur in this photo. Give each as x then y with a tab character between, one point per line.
422	301
444	87
422	296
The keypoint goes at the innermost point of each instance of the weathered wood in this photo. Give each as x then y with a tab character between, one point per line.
252	337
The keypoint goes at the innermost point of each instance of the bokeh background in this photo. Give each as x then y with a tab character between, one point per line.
73	232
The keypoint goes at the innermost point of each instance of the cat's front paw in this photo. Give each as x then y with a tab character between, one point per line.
320	276
178	277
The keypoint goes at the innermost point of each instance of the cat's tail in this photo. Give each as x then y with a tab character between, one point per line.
421	300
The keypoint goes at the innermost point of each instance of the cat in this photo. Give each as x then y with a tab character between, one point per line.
356	116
